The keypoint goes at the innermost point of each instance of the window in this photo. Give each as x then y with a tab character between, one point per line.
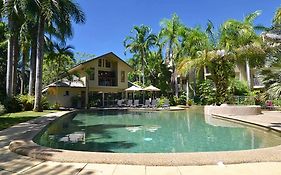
66	93
107	78
92	73
99	62
122	76
107	64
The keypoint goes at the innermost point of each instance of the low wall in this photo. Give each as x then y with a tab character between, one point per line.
232	110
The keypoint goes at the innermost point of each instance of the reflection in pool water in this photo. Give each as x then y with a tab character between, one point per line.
151	132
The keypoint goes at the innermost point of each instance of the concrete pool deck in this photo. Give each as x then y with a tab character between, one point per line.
11	163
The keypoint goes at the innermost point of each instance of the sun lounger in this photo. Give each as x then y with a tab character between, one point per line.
120	103
136	103
153	104
166	104
146	104
130	103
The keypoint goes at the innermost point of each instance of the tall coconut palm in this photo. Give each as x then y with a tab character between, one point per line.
9	11
170	35
61	13
57	60
241	36
194	40
277	18
140	44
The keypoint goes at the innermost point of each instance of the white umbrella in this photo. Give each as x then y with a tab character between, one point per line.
151	88
133	89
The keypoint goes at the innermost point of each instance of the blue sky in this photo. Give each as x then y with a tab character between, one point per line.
110	21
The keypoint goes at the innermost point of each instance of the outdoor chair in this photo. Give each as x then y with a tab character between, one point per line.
120	103
136	103
166	104
153	104
146	104
130	103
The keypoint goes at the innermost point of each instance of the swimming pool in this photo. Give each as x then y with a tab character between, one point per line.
151	132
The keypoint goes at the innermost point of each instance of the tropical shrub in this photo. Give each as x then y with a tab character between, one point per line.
182	99
173	100
44	102
2	109
161	102
12	104
27	102
207	92
55	106
189	102
239	88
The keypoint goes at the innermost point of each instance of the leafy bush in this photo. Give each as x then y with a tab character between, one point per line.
161	102
2	109
277	102
27	102
12	104
55	106
189	102
173	100
207	92
182	99
44	102
239	88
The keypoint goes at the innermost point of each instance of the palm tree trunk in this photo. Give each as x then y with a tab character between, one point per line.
142	67
248	72
194	83
10	56
16	50
187	88
176	83
32	67
9	68
24	57
39	65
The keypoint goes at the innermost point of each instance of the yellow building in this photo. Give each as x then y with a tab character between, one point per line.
96	82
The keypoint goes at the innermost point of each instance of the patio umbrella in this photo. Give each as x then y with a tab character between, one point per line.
151	88
133	89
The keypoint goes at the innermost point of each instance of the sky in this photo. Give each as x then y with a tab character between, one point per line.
108	22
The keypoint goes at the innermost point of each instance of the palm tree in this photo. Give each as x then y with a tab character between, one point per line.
271	75
56	12
10	11
170	35
57	60
242	37
277	18
194	40
140	44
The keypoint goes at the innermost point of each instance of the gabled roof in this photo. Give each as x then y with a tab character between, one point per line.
107	54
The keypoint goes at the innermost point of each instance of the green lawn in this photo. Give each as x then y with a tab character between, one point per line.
10	119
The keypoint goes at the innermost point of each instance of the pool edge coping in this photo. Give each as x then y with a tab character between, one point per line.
24	145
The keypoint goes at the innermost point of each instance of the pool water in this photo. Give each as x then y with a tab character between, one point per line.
151	132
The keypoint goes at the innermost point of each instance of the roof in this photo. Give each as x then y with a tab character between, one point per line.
65	83
104	55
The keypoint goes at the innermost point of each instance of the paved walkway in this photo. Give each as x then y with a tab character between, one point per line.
270	119
12	163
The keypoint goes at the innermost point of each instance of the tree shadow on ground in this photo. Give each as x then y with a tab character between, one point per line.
6	122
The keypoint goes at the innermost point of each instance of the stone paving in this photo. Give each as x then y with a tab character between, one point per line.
12	163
